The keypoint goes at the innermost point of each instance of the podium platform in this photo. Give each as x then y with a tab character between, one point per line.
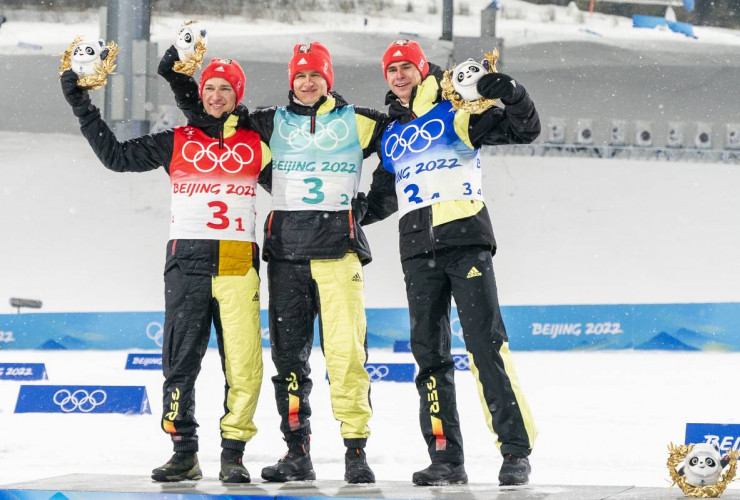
120	487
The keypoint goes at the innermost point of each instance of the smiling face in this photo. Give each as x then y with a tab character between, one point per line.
309	86
402	77
218	97
465	78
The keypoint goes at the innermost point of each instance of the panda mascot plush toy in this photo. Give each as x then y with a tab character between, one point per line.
465	78
460	84
87	56
703	465
92	61
187	36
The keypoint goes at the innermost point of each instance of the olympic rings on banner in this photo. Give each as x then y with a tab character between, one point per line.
377	372
155	332
79	400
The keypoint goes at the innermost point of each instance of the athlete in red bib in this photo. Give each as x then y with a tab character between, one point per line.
211	273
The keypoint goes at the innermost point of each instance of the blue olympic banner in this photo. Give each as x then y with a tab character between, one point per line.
462	363
82	399
144	361
23	371
687	327
391	372
726	436
401	346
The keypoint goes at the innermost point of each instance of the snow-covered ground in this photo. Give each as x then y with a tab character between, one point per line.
570	231
603	418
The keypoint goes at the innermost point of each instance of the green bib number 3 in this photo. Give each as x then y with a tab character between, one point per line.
315	190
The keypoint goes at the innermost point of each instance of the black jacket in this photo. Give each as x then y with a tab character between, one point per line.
518	123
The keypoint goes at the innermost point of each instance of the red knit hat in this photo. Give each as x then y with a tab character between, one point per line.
229	70
406	50
313	56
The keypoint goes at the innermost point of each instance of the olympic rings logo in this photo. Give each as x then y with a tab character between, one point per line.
414	139
155	332
231	160
326	137
461	361
378	372
79	400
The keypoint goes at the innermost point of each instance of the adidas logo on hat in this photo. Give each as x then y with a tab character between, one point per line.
220	69
397	53
303	61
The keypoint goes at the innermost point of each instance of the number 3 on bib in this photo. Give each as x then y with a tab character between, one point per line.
318	196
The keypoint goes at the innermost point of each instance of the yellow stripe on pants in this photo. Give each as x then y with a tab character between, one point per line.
238	299
342	302
518	394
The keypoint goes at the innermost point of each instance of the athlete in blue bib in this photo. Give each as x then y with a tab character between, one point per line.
431	175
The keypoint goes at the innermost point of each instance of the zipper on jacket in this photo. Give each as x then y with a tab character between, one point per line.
351	226
313	124
431	230
221	139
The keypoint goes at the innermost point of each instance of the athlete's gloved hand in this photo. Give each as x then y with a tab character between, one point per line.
76	97
168	62
501	86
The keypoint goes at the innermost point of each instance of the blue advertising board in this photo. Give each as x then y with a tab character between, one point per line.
726	436
82	399
685	327
391	372
144	361
23	371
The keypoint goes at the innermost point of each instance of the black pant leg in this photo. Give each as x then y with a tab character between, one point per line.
187	328
428	292
474	289
292	311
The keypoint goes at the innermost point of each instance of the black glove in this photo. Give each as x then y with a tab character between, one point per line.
501	86
76	97
168	61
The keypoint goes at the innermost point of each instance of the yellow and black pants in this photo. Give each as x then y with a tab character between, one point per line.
333	289
465	273
192	302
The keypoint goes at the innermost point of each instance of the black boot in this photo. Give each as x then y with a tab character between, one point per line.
183	465
356	469
232	469
441	474
514	471
294	466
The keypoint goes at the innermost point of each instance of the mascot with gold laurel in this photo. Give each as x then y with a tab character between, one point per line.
190	42
700	470
92	61
459	85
